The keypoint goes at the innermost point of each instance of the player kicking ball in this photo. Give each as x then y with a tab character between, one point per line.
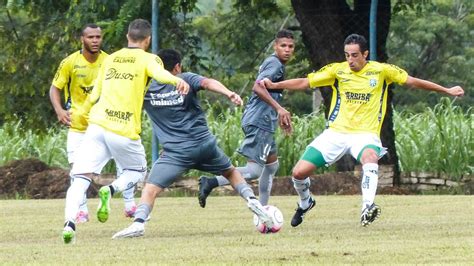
354	122
180	124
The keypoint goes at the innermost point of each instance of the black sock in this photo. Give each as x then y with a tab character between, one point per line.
70	224
139	220
112	190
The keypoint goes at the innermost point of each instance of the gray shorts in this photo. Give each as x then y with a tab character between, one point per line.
205	156
258	144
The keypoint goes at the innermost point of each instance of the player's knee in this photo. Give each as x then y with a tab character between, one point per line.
369	156
299	173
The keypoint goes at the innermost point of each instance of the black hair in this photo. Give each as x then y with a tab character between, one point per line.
357	39
284	34
139	30
89	25
170	58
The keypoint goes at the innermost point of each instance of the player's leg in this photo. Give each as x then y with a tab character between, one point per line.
265	181
163	173
128	196
74	140
91	158
368	149
129	155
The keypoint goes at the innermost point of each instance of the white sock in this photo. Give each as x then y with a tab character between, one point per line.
369	183
302	188
250	171
265	181
74	196
83	206
127	179
128	198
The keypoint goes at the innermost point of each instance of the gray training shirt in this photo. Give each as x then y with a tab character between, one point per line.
177	119
257	112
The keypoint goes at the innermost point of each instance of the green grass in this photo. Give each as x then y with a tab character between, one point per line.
411	230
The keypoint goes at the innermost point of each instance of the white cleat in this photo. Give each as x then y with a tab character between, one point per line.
256	207
136	229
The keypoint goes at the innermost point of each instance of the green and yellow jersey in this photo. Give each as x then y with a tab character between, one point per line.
359	99
120	89
76	77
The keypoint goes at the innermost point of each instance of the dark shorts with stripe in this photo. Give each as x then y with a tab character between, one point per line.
258	144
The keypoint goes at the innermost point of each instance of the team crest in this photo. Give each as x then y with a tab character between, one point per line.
373	82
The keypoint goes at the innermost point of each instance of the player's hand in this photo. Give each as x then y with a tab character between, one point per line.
64	117
235	98
284	119
455	91
267	83
182	87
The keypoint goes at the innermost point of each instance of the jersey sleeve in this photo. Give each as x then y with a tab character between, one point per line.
271	69
156	70
63	74
194	80
323	77
395	74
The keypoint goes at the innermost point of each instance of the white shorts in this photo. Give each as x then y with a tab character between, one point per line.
74	140
333	145
100	145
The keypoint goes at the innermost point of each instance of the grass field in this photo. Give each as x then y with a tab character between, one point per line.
411	230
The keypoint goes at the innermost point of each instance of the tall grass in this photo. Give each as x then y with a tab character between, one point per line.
438	140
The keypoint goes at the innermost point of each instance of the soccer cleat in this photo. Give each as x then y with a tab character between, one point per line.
82	217
300	213
204	190
136	229
256	207
69	235
130	213
370	214
104	204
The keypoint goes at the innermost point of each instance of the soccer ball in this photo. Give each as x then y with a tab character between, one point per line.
277	217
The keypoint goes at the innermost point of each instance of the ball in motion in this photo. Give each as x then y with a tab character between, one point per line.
276	216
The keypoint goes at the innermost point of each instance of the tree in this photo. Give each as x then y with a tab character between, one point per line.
325	24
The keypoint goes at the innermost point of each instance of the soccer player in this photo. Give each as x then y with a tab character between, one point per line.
180	124
115	122
355	118
259	123
75	78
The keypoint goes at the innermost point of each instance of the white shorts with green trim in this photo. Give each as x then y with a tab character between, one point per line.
333	145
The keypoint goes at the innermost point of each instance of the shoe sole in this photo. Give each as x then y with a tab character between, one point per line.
104	207
68	237
262	215
129	235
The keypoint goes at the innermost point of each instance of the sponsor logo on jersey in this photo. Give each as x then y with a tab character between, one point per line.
87	90
78	67
372	73
118	116
361	98
128	59
171	98
112	73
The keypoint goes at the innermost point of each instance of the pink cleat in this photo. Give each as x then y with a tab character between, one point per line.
130	213
82	217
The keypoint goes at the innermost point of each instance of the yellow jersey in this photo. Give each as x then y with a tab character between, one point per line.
359	99
120	88
76	77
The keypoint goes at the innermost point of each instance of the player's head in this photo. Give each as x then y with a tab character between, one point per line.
171	60
139	31
356	51
91	38
284	45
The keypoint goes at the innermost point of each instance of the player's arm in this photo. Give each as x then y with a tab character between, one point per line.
284	116
55	98
289	84
215	86
156	70
413	82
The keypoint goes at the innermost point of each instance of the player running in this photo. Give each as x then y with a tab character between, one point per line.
259	123
355	118
115	122
180	124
